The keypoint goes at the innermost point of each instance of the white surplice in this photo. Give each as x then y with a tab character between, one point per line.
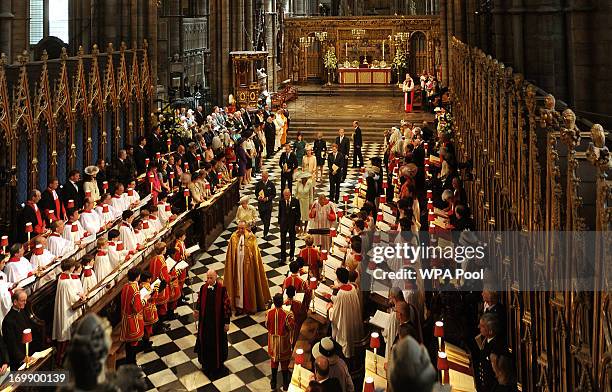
66	295
120	204
60	246
128	236
106	217
91	221
102	265
240	273
5	296
346	320
17	269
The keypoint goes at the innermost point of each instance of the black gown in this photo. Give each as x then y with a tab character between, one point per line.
211	342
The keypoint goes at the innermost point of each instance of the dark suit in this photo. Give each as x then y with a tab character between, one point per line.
28	215
140	156
357	144
344	147
191	159
156	144
47	203
72	192
292	164
265	207
335	179
288	217
121	171
270	132
331	385
12	330
485	378
4	355
372	191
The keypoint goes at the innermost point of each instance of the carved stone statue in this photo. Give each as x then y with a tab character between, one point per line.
570	134
548	115
598	136
295	67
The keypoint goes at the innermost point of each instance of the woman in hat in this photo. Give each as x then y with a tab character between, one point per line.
246	212
303	189
241	157
309	163
90	184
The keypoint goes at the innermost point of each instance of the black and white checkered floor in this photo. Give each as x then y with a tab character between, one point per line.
172	365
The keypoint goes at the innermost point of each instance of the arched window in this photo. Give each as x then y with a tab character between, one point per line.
48	21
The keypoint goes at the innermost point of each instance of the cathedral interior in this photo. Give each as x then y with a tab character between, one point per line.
526	81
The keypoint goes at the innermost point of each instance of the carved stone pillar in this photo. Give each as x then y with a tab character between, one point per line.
239	27
517	12
270	27
459	24
248	24
6	21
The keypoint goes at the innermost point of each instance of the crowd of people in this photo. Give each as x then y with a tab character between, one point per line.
190	153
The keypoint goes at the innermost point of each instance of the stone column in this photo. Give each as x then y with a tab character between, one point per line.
6	21
248	24
299	7
459	7
444	35
270	27
109	28
517	12
499	16
239	29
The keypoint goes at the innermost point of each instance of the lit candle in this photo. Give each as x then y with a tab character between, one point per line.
346	49
383	49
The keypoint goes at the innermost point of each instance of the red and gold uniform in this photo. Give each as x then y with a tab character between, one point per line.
149	312
175	290
300	311
159	270
312	258
180	254
280	324
297	283
132	322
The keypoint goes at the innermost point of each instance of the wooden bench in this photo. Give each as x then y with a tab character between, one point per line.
116	351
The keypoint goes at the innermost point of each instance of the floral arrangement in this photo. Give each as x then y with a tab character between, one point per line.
329	59
445	123
399	60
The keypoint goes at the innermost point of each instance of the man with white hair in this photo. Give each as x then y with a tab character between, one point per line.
410	365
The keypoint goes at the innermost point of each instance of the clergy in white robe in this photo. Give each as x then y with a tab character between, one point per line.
345	314
89	280
164	212
5	292
105	210
89	219
322	215
155	224
58	245
66	295
126	231
41	259
119	201
17	267
102	264
132	196
395	296
116	248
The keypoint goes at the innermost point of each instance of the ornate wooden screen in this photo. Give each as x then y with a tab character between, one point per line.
71	107
535	171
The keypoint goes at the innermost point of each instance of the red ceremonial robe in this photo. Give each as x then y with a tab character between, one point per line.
280	323
159	270
211	340
132	322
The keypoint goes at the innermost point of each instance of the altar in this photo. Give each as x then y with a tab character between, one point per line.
364	75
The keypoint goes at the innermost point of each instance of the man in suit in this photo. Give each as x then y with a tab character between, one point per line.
357	144
270	133
344	147
265	192
492	343
191	158
12	329
141	154
199	116
288	217
50	200
286	113
492	305
73	190
121	168
335	162
32	214
156	143
322	376
288	163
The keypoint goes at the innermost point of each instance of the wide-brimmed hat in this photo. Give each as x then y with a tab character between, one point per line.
92	170
327	349
244	199
304	174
